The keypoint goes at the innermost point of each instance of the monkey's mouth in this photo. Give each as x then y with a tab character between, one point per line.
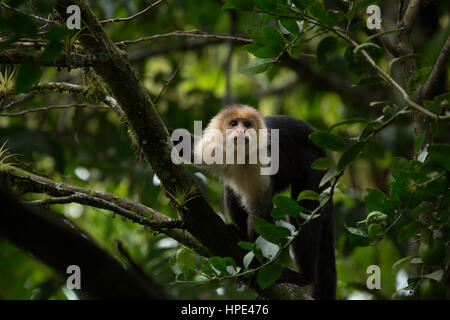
237	138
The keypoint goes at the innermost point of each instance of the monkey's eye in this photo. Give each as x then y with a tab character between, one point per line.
233	123
247	124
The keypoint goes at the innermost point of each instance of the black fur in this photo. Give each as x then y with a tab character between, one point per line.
314	247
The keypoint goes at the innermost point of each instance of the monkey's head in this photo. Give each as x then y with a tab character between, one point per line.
239	121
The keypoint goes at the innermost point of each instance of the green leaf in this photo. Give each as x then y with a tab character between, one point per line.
256	35
327	140
221	263
27	76
331	173
266	5
286	206
325	48
419	77
319	12
308	195
357	64
57	33
322	164
269	231
376	217
252	47
244	5
268	52
418	142
205	267
257	65
395	60
348	121
52	51
401	261
336	16
291	25
371	48
268	275
302	4
409	230
246	245
376	200
374	231
381	34
350	154
439	153
358	237
436	275
272	36
187	262
398	164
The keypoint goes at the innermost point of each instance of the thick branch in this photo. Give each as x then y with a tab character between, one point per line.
410	15
89	200
135	211
404	37
21	57
439	68
60	244
152	136
75	88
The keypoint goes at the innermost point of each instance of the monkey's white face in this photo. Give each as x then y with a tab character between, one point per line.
238	128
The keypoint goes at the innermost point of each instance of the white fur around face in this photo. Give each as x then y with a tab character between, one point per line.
246	179
248	183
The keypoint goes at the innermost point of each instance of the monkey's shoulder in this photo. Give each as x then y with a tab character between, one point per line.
287	123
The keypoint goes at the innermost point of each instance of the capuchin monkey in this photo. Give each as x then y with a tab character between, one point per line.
249	193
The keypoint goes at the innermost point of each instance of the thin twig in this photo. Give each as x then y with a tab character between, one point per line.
133	16
64	106
191	33
25	13
167	82
389	79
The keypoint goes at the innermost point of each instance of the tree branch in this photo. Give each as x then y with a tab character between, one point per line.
439	67
132	210
86	199
25	13
75	60
404	37
133	16
191	33
75	88
60	244
152	136
410	15
47	108
410	101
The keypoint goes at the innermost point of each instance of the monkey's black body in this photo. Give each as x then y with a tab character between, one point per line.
314	248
